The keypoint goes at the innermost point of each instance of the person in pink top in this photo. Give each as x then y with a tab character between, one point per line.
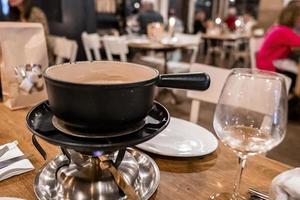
279	40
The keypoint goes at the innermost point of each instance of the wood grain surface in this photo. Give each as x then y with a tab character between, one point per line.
190	178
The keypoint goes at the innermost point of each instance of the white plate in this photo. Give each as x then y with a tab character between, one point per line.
182	139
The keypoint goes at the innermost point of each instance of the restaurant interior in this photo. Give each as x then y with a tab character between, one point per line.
149	99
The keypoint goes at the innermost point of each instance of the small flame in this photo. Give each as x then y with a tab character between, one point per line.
97	153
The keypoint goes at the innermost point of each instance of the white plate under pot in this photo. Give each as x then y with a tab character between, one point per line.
182	139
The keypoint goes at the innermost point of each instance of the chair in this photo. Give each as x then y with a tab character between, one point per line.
218	77
115	45
286	65
63	48
91	43
254	45
181	67
235	53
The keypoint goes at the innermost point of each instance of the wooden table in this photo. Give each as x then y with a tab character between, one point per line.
156	46
194	178
217	42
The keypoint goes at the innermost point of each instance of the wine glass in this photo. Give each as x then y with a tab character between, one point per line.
250	117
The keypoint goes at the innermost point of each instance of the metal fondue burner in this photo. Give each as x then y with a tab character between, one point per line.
96	168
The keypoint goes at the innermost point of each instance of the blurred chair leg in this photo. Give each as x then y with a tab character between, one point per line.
207	57
195	107
222	58
232	59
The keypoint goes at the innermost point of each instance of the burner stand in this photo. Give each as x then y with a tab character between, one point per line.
82	178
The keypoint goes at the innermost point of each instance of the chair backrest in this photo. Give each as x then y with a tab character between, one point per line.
254	45
91	42
115	45
194	39
218	77
64	48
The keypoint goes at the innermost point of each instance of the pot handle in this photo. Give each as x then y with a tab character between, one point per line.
191	81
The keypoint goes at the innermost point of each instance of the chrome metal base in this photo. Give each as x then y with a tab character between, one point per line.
58	180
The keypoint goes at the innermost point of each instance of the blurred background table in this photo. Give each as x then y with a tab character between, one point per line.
227	44
148	45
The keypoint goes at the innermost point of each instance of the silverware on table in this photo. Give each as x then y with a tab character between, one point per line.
8	162
258	194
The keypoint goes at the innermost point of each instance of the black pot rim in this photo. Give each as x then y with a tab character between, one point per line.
110	86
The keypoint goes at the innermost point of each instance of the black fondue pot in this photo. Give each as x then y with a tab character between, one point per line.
107	95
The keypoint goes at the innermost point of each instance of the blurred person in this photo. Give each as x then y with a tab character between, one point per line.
210	26
200	22
276	48
231	18
249	22
24	11
178	28
178	25
148	15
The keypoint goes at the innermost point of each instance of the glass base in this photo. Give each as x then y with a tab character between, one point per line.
226	196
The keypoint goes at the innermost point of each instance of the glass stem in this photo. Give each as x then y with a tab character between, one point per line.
236	187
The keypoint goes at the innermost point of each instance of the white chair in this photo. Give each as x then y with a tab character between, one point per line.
214	49
91	43
286	65
63	49
254	45
218	77
182	67
234	51
115	45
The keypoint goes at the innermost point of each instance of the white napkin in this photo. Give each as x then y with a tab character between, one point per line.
16	168
286	186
